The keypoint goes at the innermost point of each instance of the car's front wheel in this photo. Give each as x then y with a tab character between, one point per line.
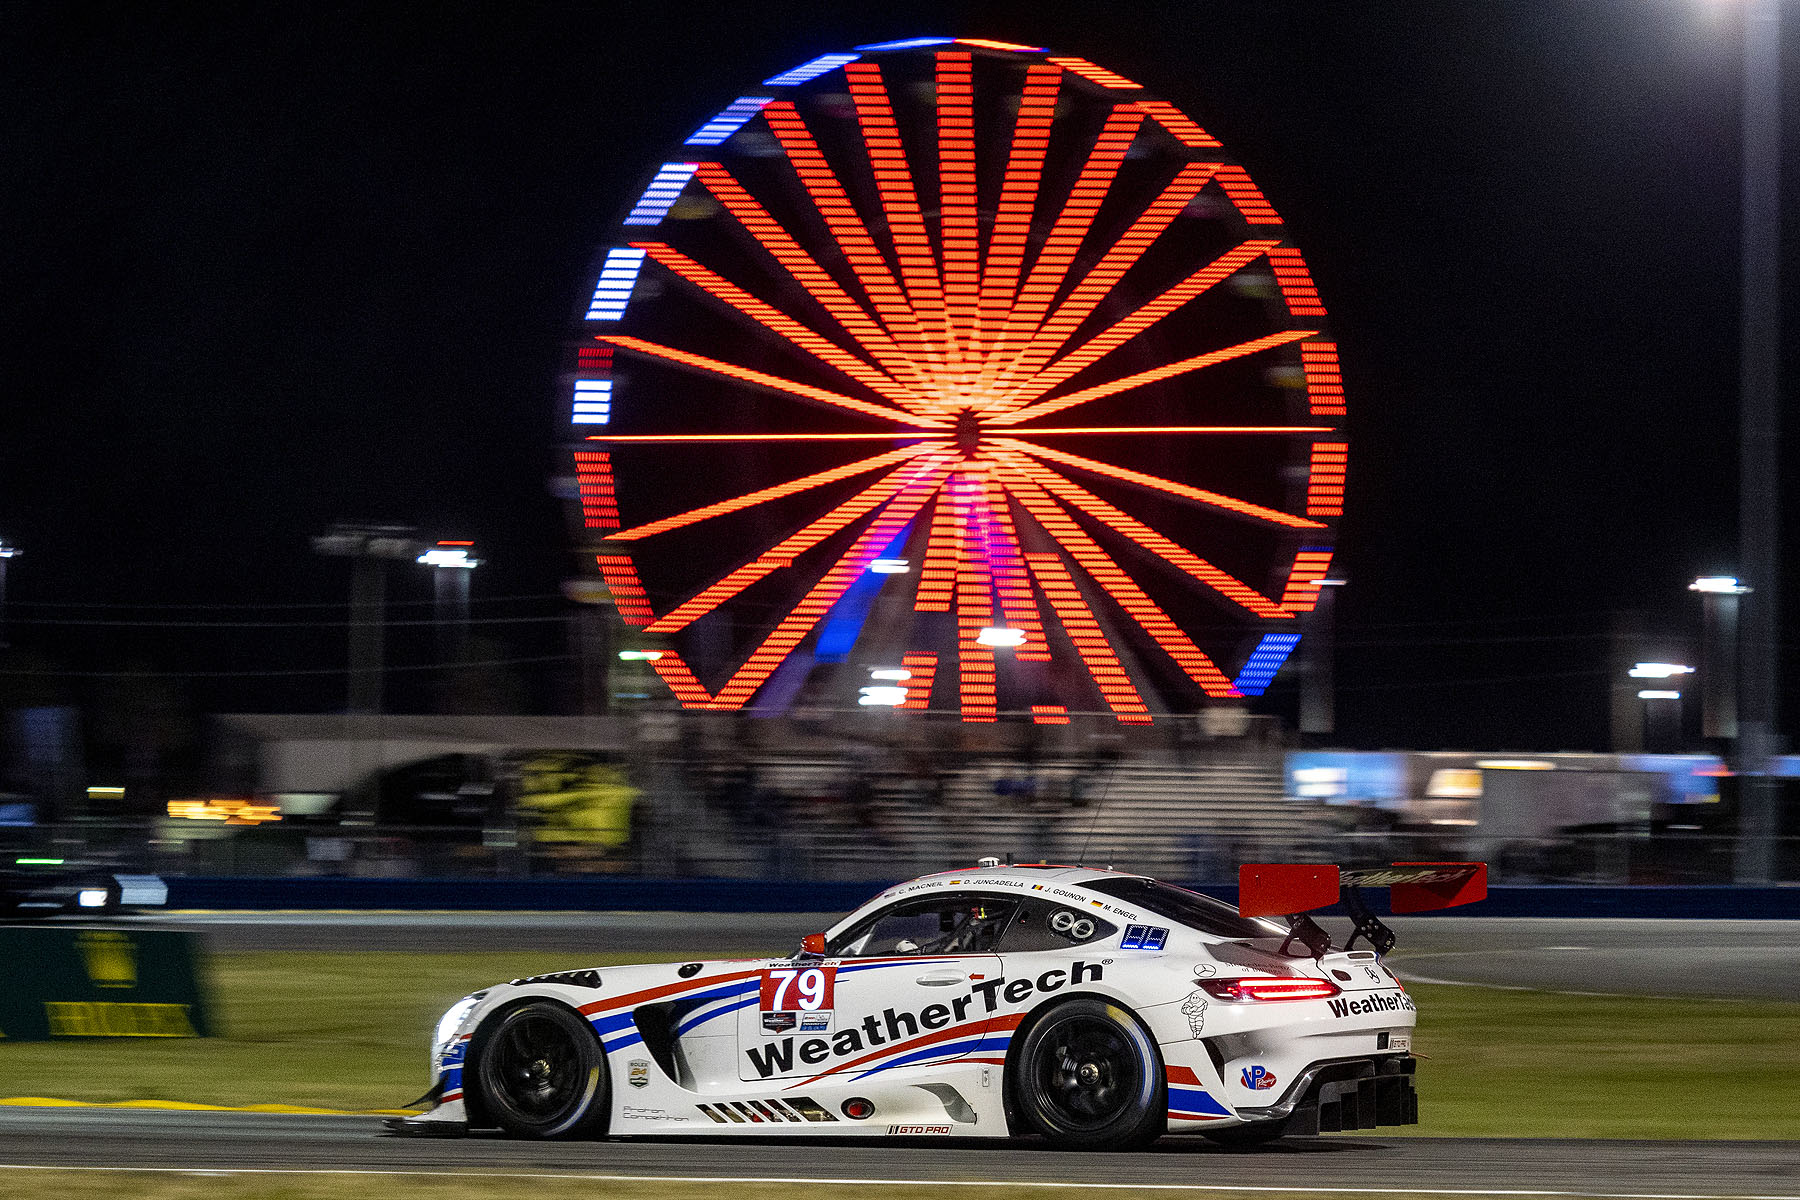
542	1073
1087	1076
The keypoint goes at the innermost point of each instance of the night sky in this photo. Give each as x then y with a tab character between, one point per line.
268	266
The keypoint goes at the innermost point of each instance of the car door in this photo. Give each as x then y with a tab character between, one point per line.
913	983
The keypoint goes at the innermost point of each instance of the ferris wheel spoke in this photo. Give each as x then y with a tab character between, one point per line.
1218	499
959	225
783	553
821	348
1018	193
943	550
833	204
1119	258
1155	375
778	492
1052	264
974	598
1116	583
1095	651
1011	580
1224	583
806	271
900	201
805	391
830	589
1104	343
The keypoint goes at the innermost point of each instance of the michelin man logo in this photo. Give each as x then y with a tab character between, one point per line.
1194	1009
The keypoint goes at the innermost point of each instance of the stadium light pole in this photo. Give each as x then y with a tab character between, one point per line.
452	564
369	548
1758	439
1718	655
7	550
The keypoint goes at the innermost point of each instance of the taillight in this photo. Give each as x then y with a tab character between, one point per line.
1270	989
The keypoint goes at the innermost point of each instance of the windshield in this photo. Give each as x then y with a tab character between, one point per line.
1190	908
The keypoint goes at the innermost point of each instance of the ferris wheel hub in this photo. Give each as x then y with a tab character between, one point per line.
968	431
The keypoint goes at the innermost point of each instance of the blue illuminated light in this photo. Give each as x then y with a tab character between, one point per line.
662	193
1264	661
593	402
618	275
715	131
811	70
908	44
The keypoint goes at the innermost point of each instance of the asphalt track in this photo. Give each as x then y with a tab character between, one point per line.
1656	957
217	1141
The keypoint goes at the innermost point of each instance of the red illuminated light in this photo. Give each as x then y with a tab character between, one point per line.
918	688
1091	73
1050	714
1302	592
1263	989
1296	282
1179	124
593	477
1116	688
1324	386
1325	483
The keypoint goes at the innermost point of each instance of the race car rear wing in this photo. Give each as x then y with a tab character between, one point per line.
1290	890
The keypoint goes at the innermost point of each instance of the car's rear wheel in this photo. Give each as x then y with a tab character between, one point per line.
1087	1076
543	1073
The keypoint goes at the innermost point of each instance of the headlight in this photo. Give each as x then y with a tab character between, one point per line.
91	898
451	1022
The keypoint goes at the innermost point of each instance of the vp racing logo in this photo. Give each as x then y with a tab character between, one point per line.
894	1026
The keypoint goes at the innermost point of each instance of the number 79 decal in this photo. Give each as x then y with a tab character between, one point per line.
807	989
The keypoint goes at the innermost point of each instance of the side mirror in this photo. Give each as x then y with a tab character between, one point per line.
813	943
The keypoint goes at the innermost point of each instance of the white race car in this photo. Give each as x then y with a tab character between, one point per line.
1095	1008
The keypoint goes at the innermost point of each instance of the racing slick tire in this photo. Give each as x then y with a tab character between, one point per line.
1087	1076
542	1073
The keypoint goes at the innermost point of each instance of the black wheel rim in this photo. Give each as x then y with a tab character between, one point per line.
537	1067
1086	1073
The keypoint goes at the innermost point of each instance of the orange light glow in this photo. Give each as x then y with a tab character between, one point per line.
960	229
873	378
1296	282
1155	375
1231	503
783	553
593	477
1091	73
806	271
773	382
1324	386
918	688
1119	258
1050	714
1220	581
1097	654
1018	193
847	229
1179	124
778	492
1129	327
1246	195
1101	568
1302	592
627	593
1325	483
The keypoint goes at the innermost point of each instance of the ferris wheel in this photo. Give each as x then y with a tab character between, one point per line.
959	376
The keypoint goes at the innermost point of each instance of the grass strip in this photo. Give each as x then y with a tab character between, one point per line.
347	1030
